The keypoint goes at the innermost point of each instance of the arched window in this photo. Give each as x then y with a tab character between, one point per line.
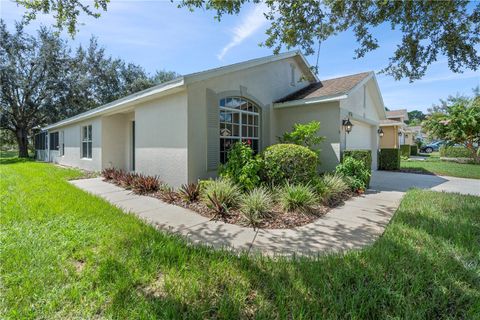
239	121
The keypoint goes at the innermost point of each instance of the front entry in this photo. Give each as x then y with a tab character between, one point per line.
133	145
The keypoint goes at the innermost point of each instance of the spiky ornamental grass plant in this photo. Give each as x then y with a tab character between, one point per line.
334	189
256	204
297	197
190	192
221	195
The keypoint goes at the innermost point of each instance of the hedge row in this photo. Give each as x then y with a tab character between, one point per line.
414	150
405	150
455	152
389	159
363	155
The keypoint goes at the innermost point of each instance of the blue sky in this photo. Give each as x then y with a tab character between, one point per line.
158	35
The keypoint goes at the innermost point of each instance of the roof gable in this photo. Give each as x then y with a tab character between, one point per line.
327	88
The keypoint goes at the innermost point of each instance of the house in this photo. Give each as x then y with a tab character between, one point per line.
181	130
395	132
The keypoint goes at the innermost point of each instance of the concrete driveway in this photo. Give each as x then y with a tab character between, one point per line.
401	181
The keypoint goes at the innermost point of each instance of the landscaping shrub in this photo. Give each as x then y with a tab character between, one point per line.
109	173
356	173
389	159
455	152
221	195
143	184
414	150
190	192
405	150
332	189
256	204
242	166
168	195
126	179
304	134
297	197
364	155
289	163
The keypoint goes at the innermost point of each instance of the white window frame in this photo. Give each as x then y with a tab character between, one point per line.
241	134
61	142
88	139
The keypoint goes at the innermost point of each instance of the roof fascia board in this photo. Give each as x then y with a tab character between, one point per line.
357	117
301	102
128	101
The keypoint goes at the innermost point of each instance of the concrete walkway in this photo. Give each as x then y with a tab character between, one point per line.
357	223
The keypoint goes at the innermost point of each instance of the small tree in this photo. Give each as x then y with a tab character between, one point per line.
305	135
460	123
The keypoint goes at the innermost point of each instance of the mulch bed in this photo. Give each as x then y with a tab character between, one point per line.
277	219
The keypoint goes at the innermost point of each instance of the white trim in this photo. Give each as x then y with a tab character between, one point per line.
179	84
300	102
123	102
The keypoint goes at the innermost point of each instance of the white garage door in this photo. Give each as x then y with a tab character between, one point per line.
363	137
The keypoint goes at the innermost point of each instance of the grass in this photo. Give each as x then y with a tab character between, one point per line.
67	254
433	165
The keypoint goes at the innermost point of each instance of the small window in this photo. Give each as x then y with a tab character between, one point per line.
40	141
54	141
87	142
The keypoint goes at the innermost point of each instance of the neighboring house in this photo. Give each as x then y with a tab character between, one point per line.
181	130
395	131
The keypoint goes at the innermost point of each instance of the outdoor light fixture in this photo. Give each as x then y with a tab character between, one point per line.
406	135
348	125
380	132
399	134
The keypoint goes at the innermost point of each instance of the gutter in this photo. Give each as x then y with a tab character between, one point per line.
302	102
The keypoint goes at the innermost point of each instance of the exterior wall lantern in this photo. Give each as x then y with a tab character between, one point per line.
399	134
348	125
380	132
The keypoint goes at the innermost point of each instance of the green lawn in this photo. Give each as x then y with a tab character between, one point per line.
67	254
433	165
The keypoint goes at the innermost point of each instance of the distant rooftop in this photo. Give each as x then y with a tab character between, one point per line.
397	113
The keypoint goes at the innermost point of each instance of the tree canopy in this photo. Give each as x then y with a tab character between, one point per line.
457	123
429	29
44	81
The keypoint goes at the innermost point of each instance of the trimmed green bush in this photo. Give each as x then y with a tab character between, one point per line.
389	159
455	152
364	155
414	150
289	163
356	173
405	150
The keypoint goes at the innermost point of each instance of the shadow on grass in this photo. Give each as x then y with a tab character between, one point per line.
412	264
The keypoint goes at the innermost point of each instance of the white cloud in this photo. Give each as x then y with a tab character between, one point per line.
253	21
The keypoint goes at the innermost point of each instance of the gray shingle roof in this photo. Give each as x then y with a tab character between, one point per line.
329	87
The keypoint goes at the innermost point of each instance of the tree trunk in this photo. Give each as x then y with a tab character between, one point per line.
22	142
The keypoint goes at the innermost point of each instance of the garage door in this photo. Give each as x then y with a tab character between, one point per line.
362	137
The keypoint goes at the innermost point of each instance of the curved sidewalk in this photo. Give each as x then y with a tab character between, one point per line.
357	223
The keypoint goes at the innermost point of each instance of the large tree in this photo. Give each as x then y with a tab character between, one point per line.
32	75
43	81
430	29
458	123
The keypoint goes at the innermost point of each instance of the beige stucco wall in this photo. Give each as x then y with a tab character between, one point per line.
329	116
161	129
72	141
390	137
362	107
114	133
262	84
